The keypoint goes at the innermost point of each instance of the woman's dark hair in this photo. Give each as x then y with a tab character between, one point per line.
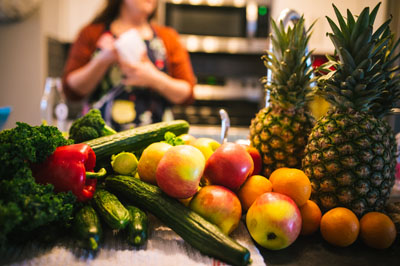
111	12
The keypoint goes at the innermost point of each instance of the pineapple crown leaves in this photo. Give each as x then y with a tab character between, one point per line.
390	95
288	62
364	78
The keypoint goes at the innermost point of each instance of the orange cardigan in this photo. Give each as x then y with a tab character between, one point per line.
178	61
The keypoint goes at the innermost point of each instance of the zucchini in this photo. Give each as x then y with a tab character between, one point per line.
111	209
135	139
194	229
87	227
137	228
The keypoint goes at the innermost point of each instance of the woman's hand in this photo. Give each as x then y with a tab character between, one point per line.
108	52
84	80
146	74
141	74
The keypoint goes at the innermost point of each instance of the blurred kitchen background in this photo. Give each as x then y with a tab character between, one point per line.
226	40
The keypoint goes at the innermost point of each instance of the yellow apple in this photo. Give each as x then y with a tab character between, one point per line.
149	160
206	145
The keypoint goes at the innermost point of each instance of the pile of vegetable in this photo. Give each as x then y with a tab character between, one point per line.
48	181
26	206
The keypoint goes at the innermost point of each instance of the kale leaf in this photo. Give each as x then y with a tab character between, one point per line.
24	204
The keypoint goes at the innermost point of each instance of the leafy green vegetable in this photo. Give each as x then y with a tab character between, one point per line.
172	139
24	204
89	126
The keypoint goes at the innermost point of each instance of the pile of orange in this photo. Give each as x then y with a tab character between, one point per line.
295	184
341	227
290	182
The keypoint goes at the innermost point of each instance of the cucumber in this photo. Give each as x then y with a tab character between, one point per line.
135	139
194	229
87	228
111	209
137	228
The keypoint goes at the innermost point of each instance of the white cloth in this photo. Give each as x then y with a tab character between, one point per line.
130	46
164	247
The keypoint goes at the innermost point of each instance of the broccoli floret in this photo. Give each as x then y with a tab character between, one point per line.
89	126
24	204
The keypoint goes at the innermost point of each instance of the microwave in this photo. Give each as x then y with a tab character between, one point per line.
229	26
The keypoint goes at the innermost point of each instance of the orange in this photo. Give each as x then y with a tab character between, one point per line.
276	173
340	227
377	230
310	218
253	187
293	183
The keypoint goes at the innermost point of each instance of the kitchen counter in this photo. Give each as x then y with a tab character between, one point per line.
214	132
314	250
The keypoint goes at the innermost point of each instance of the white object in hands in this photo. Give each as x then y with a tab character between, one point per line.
130	46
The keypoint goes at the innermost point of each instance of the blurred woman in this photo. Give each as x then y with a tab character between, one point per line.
128	94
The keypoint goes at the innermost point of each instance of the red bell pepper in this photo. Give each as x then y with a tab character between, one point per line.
70	168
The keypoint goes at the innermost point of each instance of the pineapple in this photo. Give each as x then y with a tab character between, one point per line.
351	152
280	131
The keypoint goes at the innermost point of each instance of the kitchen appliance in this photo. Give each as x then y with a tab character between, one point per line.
225	40
227	26
228	81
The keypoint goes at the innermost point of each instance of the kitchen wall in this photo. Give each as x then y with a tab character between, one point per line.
22	68
23	53
317	10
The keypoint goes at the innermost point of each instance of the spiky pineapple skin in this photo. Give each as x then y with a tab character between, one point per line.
350	159
280	135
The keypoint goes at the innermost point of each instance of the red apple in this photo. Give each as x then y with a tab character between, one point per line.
229	166
219	206
274	220
255	155
179	171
